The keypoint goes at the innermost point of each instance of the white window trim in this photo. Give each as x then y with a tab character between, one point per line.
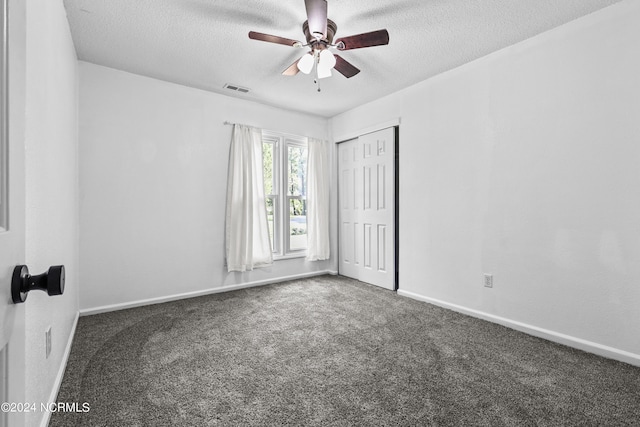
282	221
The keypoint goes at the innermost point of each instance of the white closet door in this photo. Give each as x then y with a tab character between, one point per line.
367	208
12	209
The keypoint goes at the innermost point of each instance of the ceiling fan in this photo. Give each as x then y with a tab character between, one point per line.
319	32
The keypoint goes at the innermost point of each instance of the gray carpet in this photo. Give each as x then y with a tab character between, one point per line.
331	351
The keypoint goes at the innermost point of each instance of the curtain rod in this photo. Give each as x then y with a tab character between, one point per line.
228	123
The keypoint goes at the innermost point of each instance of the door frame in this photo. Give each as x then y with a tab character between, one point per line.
396	202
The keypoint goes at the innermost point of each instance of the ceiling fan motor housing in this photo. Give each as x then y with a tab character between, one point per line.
322	43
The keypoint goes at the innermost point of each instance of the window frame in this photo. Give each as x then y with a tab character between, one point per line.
276	244
281	142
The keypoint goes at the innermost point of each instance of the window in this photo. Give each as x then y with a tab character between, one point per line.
285	184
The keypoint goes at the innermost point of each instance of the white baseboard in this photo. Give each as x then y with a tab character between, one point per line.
227	288
588	346
63	366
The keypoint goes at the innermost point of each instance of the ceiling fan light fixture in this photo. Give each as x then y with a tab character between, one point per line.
327	59
323	72
305	64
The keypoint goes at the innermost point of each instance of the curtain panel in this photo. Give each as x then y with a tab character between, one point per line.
247	231
318	200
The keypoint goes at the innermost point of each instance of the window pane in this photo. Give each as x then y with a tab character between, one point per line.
297	224
297	170
267	163
271	213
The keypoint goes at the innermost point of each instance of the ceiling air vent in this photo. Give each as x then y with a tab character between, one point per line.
236	88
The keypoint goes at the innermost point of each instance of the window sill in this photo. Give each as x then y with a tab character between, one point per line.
290	256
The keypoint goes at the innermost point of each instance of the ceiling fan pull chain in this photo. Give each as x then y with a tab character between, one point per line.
316	62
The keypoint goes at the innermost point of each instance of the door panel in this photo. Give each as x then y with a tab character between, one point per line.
348	204
12	234
367	208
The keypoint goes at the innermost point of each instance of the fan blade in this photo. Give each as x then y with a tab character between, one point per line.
292	70
317	17
272	39
345	68
374	38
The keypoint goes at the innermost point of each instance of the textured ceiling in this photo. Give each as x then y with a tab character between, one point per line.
204	43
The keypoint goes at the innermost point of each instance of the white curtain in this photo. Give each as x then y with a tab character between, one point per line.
318	200
247	230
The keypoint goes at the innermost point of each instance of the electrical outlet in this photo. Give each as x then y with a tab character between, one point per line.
488	280
47	340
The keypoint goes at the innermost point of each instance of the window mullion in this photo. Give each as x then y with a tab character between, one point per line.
285	198
282	199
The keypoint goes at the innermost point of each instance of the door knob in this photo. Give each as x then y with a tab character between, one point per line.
52	282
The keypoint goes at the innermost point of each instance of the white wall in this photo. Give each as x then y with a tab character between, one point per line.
51	192
153	171
524	164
